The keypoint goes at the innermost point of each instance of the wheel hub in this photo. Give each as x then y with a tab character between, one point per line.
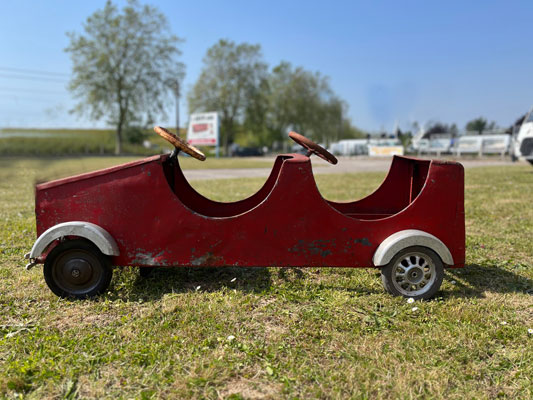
77	271
413	273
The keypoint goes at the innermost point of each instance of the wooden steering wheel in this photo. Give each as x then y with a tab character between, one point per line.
179	143
313	148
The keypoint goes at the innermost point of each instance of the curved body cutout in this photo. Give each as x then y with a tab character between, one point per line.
210	208
401	186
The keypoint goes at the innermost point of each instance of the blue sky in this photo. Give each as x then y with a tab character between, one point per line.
391	61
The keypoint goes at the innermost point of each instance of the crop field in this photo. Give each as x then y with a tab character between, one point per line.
274	333
59	142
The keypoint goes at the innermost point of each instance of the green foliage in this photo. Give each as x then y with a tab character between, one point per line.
349	131
228	83
303	101
297	333
69	142
479	125
124	64
260	107
405	138
135	134
438	128
60	144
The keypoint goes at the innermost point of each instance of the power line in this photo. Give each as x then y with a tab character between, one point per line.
33	71
31	78
27	90
24	100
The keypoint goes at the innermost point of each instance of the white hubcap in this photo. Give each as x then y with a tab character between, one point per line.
413	274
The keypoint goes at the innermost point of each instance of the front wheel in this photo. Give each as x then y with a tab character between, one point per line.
415	272
77	269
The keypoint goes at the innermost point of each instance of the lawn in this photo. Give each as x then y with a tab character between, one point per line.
48	168
54	142
272	333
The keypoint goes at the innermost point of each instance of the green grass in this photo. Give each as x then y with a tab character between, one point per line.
44	169
298	333
64	142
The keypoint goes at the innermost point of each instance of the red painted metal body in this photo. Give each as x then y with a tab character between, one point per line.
157	218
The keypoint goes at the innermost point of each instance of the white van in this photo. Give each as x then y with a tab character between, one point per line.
523	143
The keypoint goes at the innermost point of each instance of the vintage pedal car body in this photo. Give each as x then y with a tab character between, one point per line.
145	213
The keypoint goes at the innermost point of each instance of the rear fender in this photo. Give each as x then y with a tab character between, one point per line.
407	238
94	233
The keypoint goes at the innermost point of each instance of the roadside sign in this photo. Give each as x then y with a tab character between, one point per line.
203	129
374	151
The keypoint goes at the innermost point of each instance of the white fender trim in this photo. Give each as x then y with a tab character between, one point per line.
97	235
410	237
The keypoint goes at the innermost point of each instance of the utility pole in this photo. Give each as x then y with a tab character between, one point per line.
177	106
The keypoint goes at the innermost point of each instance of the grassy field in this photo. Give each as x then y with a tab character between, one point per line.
44	169
270	333
61	142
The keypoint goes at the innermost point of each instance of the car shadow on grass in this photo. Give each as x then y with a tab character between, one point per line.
206	279
475	280
129	285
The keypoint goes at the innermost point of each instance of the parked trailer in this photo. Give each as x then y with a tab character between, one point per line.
437	145
350	147
482	144
371	147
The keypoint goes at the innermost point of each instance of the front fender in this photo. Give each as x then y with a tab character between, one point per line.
407	238
94	233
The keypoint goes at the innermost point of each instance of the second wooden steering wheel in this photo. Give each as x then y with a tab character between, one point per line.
313	148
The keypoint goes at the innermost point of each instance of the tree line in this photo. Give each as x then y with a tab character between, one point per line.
236	82
477	125
125	69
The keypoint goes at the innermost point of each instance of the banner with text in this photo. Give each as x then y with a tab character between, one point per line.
203	129
376	151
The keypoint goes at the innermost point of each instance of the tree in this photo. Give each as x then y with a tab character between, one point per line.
454	131
304	101
229	82
477	125
436	128
124	65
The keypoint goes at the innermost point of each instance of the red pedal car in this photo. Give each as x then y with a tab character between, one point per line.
145	213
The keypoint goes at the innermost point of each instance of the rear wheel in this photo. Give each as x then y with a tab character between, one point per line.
415	272
77	269
530	161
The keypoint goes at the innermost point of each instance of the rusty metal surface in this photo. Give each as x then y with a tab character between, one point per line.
179	143
286	223
313	148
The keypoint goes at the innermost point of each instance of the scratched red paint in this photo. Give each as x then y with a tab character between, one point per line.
157	218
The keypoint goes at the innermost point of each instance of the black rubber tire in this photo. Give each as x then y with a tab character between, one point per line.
530	161
432	289
76	256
